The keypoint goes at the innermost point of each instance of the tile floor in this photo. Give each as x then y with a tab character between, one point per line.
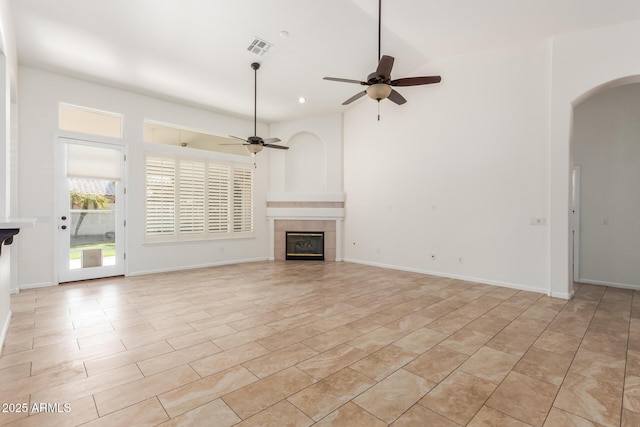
325	344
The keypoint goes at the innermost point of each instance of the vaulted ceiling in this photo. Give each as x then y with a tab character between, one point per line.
195	51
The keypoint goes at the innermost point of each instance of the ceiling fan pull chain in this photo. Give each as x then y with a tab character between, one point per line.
378	110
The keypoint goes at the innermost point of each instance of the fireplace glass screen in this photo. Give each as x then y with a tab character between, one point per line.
305	245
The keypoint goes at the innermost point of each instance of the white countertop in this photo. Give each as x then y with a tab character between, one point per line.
17	222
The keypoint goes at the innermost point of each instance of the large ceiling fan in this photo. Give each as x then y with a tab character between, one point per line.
254	143
380	82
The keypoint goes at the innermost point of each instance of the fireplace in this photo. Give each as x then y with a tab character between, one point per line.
305	245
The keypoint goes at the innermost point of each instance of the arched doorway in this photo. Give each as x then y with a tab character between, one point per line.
605	149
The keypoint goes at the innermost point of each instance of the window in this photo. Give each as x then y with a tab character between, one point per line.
189	199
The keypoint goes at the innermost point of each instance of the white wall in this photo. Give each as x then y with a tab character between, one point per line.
583	63
606	146
8	66
323	135
458	171
40	93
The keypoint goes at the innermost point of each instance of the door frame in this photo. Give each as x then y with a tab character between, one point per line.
575	226
60	169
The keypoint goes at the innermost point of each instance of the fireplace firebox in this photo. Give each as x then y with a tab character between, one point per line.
305	245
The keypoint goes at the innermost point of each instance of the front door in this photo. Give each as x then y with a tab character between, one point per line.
91	210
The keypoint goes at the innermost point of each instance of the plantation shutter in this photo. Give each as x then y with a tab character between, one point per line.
192	194
160	196
242	199
218	198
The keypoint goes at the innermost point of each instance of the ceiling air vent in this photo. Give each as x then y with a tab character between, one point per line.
259	46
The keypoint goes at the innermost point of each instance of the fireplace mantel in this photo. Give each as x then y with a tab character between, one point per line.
308	208
10	227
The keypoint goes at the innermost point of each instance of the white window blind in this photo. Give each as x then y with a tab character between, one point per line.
191	199
160	196
218	203
242	199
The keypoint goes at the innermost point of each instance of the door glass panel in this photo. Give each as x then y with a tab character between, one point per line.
93	223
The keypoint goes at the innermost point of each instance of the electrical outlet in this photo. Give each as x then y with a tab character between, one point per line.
538	221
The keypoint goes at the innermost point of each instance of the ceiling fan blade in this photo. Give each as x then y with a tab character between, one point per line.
236	144
337	79
396	97
237	137
354	97
384	67
416	81
281	147
271	140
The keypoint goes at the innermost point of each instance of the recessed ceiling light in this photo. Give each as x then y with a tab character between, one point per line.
284	34
302	100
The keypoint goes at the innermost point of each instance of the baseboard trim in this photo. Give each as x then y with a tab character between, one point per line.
193	267
612	284
453	276
5	330
34	286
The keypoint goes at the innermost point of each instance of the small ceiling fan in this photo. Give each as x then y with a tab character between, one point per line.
254	143
380	82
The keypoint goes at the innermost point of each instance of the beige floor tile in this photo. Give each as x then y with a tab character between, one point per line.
418	415
136	391
459	397
391	397
557	343
76	413
78	389
490	417
631	398
490	364
124	358
466	341
630	419
412	324
280	359
255	397
633	363
598	342
176	358
524	398
421	340
560	418
244	337
280	414
594	400
202	415
190	396
331	361
512	341
436	364
148	412
599	366
350	415
331	339
544	365
15	372
197	337
221	361
376	339
327	395
383	362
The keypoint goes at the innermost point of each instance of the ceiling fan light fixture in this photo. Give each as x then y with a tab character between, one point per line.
379	91
254	148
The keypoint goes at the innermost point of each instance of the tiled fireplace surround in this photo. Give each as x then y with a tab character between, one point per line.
306	215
